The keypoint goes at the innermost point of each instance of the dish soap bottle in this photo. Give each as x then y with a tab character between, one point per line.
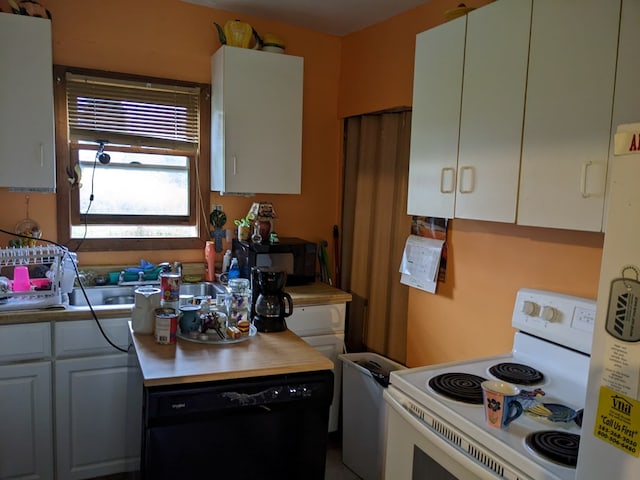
226	261
210	257
234	269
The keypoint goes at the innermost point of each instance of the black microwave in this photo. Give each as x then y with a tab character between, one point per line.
295	256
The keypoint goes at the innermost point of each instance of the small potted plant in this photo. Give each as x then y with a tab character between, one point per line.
244	227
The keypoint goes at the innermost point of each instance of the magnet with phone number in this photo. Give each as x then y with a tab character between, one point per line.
618	421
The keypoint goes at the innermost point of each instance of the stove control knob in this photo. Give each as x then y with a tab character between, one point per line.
530	308
548	313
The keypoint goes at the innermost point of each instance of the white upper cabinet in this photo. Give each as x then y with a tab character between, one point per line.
27	160
493	93
435	122
468	106
256	139
572	63
626	101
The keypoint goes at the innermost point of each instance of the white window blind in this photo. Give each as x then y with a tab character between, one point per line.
132	113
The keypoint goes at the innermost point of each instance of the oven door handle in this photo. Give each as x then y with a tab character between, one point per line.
399	402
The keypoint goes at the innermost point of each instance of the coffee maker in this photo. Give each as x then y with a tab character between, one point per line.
270	304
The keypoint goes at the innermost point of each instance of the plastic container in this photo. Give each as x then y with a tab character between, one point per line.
364	412
21	282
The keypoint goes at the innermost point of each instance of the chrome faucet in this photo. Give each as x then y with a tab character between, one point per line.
177	268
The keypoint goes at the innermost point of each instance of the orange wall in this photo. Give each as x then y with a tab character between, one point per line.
174	39
470	316
363	72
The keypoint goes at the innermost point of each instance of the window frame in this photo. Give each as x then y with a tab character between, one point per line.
66	155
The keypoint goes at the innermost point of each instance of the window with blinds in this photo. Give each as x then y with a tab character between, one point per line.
133	155
132	113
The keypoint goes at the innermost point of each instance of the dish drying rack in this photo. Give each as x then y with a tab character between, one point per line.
51	257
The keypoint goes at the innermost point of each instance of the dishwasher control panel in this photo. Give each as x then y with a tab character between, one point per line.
246	393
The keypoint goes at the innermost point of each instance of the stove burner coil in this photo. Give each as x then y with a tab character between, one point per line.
559	447
517	373
464	387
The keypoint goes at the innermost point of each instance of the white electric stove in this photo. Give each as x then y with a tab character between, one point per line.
436	427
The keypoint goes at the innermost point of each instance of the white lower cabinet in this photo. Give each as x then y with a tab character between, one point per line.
98	393
322	327
97	429
26	417
331	346
26	444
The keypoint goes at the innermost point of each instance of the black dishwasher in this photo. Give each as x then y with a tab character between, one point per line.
272	427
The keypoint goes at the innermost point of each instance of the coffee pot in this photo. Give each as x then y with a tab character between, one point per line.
270	303
147	299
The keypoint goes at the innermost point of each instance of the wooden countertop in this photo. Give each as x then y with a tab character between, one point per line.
317	293
63	314
188	362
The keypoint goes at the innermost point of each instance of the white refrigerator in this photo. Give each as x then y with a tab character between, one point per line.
610	438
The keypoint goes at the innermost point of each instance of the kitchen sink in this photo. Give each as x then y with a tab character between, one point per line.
125	295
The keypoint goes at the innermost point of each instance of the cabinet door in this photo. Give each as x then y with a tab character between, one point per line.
25	341
257	121
26	104
568	113
495	77
26	443
331	346
435	122
626	101
98	416
83	337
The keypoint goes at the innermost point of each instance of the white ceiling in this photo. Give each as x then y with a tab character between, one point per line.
335	17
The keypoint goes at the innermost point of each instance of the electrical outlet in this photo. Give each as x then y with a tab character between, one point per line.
216	207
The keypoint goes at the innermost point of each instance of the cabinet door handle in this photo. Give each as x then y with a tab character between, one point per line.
235	164
472	182
452	181
41	155
583	179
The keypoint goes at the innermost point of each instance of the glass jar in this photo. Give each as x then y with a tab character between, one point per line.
238	300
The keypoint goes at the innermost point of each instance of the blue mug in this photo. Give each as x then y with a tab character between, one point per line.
189	318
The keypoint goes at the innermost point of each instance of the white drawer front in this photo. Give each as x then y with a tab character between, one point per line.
83	337
28	341
317	319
